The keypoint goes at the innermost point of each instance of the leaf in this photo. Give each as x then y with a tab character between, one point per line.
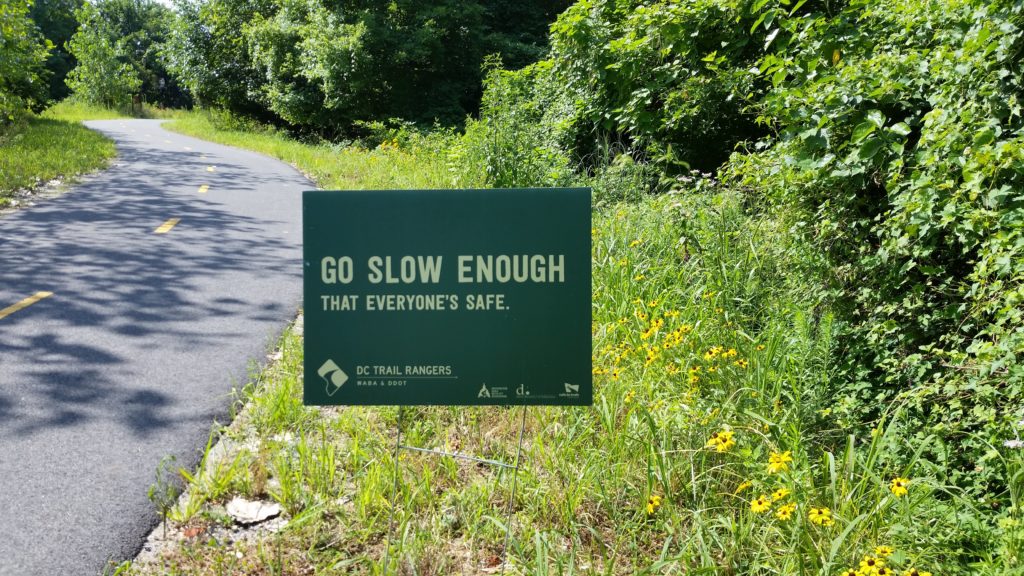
900	129
876	117
862	131
984	137
870	148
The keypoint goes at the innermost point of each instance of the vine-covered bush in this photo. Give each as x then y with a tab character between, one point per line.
897	137
887	133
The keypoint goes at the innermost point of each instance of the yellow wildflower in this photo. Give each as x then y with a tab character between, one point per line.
760	504
785	511
898	486
634	243
741	363
729	353
629	397
743	486
653	503
850	572
638	277
820	516
779	462
652	304
916	572
759	347
721	441
780	494
870	565
883	551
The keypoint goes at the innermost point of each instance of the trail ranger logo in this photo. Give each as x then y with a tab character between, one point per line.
572	389
336	379
484	392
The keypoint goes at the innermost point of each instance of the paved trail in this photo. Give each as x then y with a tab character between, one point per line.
129	308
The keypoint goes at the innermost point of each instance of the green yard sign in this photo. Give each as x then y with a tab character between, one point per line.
447	297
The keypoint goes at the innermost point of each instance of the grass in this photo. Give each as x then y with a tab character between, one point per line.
419	162
28	158
709	448
27	148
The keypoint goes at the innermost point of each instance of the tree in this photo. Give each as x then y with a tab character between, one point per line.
23	52
143	27
56	20
103	74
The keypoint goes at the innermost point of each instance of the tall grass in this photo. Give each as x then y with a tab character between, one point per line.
416	162
710	447
40	149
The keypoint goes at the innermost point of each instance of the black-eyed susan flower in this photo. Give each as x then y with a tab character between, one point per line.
849	572
741	363
779	462
870	565
916	572
785	512
653	503
884	571
760	504
759	347
898	486
780	494
722	441
629	397
820	516
883	551
743	486
634	243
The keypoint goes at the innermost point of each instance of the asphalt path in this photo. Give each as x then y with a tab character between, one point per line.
124	331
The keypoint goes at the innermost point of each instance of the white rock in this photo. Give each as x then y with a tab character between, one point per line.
248	512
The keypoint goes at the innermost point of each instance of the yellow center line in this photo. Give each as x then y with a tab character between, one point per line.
204	188
24	303
166	226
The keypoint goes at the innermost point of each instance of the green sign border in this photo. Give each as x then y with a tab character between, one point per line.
527	340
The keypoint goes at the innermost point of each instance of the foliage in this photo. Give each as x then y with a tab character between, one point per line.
56	20
142	27
103	75
898	140
667	79
27	158
23	51
324	67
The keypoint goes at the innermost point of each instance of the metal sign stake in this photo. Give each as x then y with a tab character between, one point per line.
512	498
509	508
394	491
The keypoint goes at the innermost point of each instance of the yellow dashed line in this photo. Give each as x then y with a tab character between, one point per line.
24	303
204	188
166	226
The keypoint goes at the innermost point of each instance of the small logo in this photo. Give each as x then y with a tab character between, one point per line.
484	392
572	389
522	391
336	379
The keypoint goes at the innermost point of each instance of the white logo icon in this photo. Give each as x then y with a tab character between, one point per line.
337	376
572	388
484	392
